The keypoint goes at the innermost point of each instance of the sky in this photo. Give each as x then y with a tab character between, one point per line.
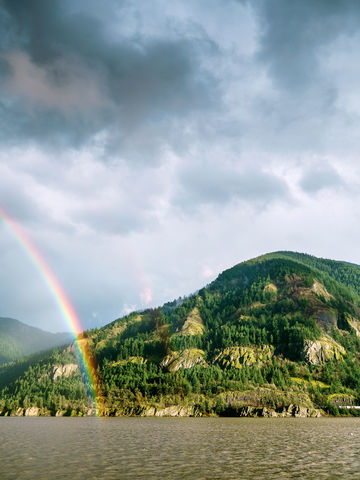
147	146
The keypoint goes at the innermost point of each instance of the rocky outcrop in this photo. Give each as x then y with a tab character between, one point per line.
319	351
327	319
353	323
291	410
244	356
185	359
296	411
64	370
171	411
193	324
339	399
32	412
90	412
319	289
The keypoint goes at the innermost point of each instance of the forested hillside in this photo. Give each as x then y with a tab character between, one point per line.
277	335
18	339
344	272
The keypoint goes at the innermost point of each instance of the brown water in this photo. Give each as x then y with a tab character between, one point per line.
178	448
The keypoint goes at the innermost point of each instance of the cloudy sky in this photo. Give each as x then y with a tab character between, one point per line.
147	146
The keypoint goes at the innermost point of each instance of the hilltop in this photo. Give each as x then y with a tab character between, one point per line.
278	335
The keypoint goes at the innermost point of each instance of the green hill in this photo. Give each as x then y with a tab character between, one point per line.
18	340
278	335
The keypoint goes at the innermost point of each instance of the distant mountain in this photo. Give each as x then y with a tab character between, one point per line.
18	339
277	335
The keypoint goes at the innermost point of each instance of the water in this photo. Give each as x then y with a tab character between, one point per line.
178	448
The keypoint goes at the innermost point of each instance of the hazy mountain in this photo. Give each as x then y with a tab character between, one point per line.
277	335
18	339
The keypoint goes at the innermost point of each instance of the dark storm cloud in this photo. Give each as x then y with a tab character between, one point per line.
67	79
293	32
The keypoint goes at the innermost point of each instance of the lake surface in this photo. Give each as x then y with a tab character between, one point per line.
179	448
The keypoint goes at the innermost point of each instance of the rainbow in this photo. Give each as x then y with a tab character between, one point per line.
87	361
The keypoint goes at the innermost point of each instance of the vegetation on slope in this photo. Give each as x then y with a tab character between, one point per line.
278	334
18	340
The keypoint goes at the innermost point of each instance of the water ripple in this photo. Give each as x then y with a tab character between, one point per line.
172	448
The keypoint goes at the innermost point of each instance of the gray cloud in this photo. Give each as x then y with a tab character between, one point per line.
68	80
130	127
16	197
319	177
218	185
112	219
292	34
308	98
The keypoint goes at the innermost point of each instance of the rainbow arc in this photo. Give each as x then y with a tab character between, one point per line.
87	360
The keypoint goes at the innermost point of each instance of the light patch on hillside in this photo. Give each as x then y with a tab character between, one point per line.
64	370
193	324
132	359
186	359
354	323
244	356
322	350
314	383
270	288
270	292
256	305
341	399
319	289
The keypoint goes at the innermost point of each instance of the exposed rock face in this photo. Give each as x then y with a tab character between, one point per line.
353	323
246	411
172	411
327	319
92	412
64	370
289	411
193	324
321	291
32	412
241	356
341	399
186	359
319	351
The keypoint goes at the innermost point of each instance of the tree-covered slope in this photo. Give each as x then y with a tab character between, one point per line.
18	339
344	272
276	335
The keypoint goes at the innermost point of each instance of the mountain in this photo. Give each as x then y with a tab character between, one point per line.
18	339
278	335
